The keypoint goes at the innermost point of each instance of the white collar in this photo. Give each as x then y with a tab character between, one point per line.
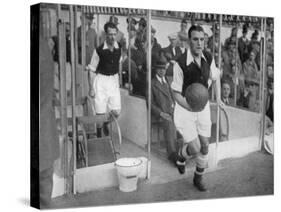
160	79
226	100
105	46
190	58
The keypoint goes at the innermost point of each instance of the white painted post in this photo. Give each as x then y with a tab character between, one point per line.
73	82
263	72
149	92
218	97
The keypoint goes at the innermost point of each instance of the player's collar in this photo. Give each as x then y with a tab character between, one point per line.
105	46
190	58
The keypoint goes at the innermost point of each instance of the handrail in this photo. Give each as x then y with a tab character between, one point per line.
118	129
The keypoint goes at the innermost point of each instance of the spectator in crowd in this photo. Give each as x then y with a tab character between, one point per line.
132	31
162	103
226	94
132	21
252	77
138	55
141	28
182	45
250	68
213	42
232	38
270	100
182	34
91	38
172	53
227	100
255	45
156	47
232	68
270	52
206	42
249	97
243	43
255	36
270	72
142	24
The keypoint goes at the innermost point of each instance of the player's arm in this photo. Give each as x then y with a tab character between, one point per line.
177	87
91	68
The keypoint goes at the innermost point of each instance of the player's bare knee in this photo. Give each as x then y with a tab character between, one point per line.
193	148
204	149
204	142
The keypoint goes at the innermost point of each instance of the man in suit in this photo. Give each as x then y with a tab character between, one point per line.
182	34
172	53
162	104
225	93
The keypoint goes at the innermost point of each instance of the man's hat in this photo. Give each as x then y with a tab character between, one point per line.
113	19
245	29
255	34
159	61
142	22
133	21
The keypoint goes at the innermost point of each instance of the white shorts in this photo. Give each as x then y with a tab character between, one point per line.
190	124
106	93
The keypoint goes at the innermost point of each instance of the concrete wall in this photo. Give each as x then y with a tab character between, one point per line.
133	118
242	123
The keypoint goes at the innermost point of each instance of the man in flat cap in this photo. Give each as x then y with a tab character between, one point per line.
172	53
162	103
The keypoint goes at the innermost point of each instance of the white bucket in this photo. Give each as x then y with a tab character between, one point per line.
128	170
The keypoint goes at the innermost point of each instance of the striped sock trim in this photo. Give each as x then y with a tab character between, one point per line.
180	163
199	173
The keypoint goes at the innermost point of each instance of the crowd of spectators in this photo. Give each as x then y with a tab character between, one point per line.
241	65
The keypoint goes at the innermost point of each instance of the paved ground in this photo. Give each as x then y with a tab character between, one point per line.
248	176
